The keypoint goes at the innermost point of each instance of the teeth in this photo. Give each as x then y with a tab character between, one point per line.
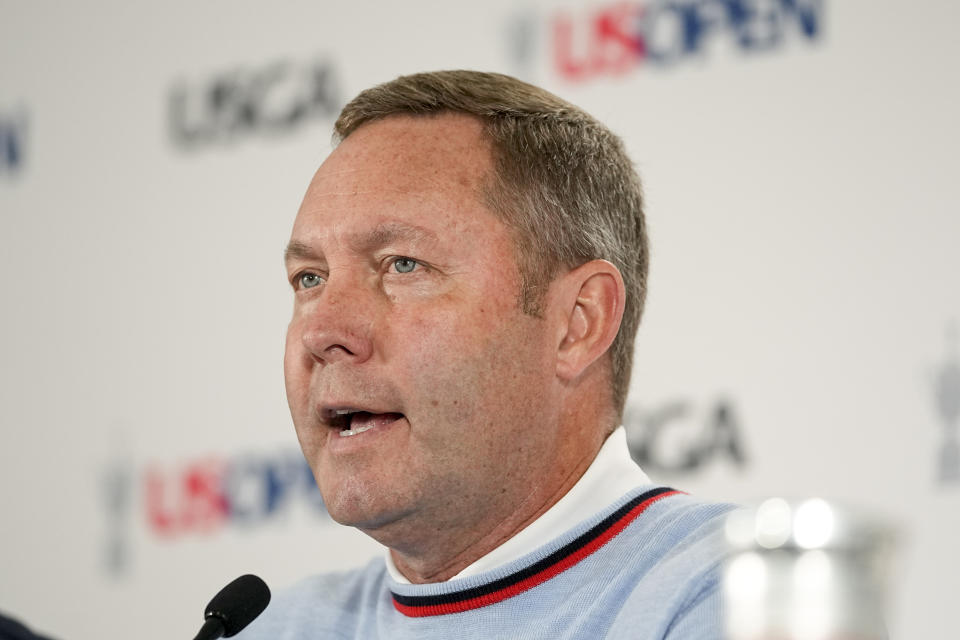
352	432
343	412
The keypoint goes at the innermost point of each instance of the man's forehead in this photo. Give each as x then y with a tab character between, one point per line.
398	179
356	181
433	149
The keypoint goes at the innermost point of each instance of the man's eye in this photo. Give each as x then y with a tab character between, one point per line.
404	265
309	280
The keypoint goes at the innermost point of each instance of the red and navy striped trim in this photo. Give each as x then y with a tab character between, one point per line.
537	573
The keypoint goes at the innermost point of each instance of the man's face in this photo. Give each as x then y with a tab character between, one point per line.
421	394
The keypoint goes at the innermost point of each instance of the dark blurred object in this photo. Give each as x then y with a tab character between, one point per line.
234	607
10	629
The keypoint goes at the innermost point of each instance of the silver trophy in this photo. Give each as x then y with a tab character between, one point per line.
805	570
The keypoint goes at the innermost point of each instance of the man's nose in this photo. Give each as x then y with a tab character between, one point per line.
339	325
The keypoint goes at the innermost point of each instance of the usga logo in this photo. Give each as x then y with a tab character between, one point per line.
273	98
683	437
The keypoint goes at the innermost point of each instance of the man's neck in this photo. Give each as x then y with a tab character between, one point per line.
437	565
612	474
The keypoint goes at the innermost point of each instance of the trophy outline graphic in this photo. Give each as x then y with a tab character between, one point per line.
520	34
947	392
116	480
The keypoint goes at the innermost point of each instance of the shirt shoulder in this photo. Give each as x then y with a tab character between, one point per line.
679	594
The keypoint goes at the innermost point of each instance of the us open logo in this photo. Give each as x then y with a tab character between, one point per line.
167	501
619	38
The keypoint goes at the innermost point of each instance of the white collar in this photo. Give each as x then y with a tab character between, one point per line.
611	474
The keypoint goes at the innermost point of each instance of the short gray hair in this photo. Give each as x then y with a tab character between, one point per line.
562	181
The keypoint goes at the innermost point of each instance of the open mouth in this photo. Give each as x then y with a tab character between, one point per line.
351	422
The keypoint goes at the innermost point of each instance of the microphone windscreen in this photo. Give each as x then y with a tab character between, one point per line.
239	603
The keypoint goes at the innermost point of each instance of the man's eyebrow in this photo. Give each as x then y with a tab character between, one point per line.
387	232
381	235
298	251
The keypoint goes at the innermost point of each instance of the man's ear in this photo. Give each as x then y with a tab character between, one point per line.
592	298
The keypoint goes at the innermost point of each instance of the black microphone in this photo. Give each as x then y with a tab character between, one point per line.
234	607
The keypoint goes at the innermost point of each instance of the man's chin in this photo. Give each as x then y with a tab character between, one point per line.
369	517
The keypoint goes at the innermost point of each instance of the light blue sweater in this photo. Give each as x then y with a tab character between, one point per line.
647	567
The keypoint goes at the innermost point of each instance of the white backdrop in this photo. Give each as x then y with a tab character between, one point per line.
798	157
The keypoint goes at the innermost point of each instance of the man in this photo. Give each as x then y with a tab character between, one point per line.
469	268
